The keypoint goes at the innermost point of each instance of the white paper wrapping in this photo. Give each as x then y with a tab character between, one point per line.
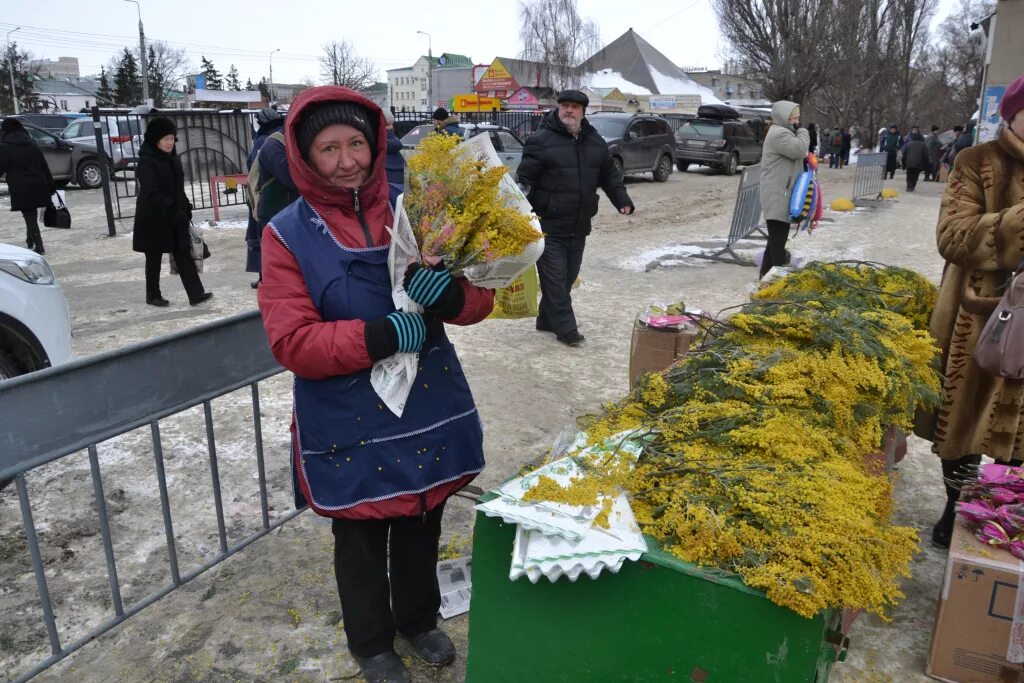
555	539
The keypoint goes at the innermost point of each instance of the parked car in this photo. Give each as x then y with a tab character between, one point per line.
638	143
52	123
69	162
507	144
35	327
122	136
720	144
529	125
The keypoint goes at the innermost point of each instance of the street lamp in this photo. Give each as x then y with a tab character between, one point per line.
142	55
271	88
10	55
430	69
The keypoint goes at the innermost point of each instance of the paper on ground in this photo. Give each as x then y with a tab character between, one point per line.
455	581
556	539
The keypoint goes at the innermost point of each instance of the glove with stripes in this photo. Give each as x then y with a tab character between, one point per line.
435	290
397	332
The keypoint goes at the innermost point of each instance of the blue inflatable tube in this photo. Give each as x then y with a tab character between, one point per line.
800	202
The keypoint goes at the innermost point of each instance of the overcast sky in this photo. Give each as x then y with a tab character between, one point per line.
385	32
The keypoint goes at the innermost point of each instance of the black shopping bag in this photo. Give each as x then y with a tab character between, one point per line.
56	215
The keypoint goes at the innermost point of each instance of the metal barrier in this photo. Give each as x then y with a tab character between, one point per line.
746	218
210	143
104	396
869	176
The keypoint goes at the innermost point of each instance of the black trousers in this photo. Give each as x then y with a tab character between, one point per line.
557	270
374	605
913	174
775	253
186	270
33	238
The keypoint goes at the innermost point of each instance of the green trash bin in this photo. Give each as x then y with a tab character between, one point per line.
658	619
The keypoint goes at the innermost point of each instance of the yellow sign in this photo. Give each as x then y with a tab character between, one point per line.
473	102
497	77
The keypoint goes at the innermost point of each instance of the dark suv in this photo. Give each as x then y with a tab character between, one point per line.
51	123
638	143
722	143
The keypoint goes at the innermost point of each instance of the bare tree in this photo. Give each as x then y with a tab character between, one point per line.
554	35
960	57
340	65
787	47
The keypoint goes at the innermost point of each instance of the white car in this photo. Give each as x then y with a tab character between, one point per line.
35	327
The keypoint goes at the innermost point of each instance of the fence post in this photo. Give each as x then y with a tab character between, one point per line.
746	218
101	152
869	176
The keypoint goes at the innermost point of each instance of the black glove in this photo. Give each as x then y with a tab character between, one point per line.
435	290
398	331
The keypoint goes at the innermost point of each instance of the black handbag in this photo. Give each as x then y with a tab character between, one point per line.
57	216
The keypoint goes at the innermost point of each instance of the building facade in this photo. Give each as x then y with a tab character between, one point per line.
730	88
65	94
430	82
62	67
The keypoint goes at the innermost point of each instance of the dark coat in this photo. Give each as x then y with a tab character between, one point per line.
812	131
934	145
915	154
394	163
162	211
562	174
254	229
28	175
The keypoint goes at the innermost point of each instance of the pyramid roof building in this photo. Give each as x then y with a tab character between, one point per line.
634	66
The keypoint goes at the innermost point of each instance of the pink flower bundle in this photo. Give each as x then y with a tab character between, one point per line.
993	507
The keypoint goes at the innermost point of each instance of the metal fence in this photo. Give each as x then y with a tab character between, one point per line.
524	123
101	397
869	176
746	218
210	144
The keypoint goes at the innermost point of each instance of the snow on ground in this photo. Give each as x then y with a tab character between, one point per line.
271	612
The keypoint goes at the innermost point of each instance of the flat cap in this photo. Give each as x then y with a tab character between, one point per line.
573	96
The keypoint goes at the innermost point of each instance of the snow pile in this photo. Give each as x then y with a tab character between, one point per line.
606	78
671	85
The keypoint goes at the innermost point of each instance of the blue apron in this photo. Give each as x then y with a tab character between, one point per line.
351	448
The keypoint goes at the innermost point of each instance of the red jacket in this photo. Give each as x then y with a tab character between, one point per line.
299	339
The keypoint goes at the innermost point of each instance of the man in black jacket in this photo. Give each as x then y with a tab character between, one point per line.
563	164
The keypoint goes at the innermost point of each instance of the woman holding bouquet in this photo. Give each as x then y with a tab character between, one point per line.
328	312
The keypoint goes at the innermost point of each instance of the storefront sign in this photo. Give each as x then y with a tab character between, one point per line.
497	77
989	121
473	102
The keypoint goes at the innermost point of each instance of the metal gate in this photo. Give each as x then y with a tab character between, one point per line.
98	398
746	218
869	176
210	145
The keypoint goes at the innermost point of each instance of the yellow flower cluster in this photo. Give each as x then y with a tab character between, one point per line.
456	207
759	464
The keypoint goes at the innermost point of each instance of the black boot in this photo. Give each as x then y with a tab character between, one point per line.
954	474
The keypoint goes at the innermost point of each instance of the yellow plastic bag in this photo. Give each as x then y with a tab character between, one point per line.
519	299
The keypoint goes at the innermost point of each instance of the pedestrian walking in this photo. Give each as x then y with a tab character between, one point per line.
394	162
383	480
980	233
846	147
835	148
163	213
891	146
269	121
915	157
812	131
934	146
782	161
28	178
563	164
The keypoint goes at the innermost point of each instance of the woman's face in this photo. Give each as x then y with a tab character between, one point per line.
1017	124
795	116
166	143
341	155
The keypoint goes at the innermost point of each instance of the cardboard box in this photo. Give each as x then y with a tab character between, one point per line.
974	622
653	349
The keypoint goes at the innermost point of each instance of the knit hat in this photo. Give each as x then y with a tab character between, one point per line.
318	116
1013	100
573	96
440	114
11	126
159	128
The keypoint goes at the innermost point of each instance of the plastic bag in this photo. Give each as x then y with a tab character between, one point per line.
519	299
